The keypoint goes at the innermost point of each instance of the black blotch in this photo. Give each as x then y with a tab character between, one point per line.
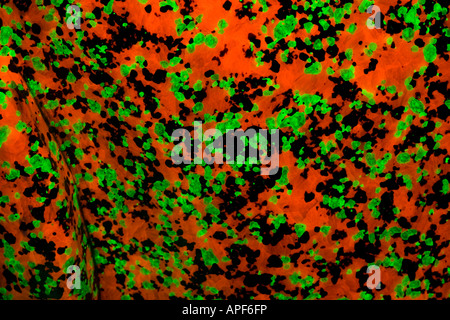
274	262
309	196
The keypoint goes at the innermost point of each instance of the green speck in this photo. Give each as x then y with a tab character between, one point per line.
429	52
4	132
403	158
37	64
315	68
208	257
211	41
348	74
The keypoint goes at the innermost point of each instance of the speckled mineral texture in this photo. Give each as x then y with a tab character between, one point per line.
87	179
